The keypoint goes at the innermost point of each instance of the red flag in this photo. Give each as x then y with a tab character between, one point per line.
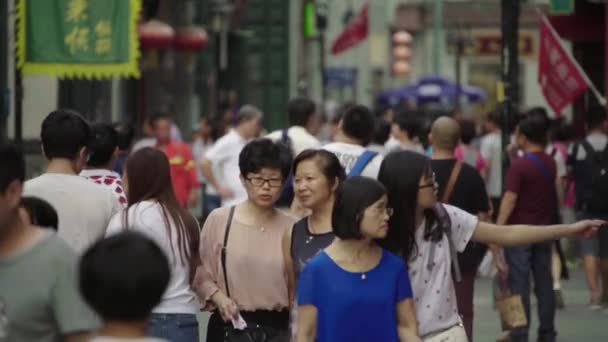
355	32
560	77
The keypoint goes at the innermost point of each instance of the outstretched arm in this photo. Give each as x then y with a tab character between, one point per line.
523	234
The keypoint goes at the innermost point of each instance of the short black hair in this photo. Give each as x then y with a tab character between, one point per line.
126	134
300	110
264	153
596	117
495	117
357	122
13	165
354	195
382	131
41	212
409	122
538	111
468	131
124	277
339	114
534	128
104	141
160	116
64	133
328	163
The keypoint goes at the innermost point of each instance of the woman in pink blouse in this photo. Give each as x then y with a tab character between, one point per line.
254	285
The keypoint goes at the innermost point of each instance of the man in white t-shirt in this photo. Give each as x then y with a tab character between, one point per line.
83	207
491	151
220	165
301	113
355	131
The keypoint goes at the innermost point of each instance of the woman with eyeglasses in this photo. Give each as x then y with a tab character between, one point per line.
354	290
243	271
427	236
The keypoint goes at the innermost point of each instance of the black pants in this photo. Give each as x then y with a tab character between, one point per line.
274	319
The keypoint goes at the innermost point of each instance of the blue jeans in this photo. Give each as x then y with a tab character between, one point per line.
174	327
210	203
534	258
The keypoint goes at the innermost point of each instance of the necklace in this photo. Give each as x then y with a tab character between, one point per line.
311	235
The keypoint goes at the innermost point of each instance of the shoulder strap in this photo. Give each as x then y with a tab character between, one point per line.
449	188
553	152
228	225
446	225
534	158
362	162
572	158
588	148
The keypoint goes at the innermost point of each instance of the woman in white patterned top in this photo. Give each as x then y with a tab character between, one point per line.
416	234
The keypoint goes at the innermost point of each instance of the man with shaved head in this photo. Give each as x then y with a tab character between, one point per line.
460	185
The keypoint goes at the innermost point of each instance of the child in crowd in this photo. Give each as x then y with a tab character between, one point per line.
123	278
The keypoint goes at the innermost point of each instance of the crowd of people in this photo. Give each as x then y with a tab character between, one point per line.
375	232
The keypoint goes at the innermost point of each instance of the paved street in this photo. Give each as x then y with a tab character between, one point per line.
576	323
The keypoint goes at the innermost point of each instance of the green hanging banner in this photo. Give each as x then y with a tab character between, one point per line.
78	38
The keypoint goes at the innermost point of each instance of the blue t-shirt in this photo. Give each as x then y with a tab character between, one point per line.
352	307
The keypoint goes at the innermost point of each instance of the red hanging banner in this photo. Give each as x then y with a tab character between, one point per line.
355	32
560	77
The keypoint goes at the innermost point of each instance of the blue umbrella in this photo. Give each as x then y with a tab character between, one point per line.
432	89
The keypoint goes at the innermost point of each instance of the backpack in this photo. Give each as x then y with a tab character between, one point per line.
594	196
287	194
361	163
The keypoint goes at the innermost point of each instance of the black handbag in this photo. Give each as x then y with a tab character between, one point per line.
254	332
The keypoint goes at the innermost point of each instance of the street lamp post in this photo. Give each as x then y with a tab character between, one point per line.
321	7
220	24
460	40
509	68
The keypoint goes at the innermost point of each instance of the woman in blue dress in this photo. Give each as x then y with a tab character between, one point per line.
354	290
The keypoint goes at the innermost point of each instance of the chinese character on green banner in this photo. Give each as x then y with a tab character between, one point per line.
562	7
78	38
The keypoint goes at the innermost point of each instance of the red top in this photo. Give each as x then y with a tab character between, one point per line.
183	172
535	190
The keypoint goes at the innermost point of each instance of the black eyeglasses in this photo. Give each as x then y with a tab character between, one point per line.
432	184
259	181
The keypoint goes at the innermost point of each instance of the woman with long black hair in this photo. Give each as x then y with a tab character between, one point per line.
154	211
427	236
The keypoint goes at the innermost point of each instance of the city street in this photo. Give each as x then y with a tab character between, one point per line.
576	323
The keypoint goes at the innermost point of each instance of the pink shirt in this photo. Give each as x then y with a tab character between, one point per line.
479	162
254	261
